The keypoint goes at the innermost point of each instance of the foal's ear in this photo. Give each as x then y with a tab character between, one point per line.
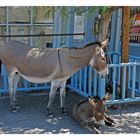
91	101
107	96
104	43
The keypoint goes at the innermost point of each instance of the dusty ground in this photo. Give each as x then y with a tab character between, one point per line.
32	117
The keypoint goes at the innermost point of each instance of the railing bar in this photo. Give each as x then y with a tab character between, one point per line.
133	81
139	79
85	80
25	83
36	85
5	78
129	75
80	80
124	82
75	85
119	75
89	80
101	87
114	83
72	81
95	83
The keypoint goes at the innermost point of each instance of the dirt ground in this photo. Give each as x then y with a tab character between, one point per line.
32	119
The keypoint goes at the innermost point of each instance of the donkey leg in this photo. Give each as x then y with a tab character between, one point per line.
109	121
90	126
62	96
54	87
16	80
11	91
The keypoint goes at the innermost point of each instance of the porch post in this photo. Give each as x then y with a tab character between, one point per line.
125	33
125	42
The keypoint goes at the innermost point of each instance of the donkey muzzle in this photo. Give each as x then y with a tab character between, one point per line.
104	73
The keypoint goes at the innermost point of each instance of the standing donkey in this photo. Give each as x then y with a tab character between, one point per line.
54	65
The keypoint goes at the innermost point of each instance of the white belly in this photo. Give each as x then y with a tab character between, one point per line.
41	79
37	79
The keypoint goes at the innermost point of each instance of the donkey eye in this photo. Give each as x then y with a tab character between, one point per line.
97	50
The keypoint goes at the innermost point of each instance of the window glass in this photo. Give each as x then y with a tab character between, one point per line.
79	22
19	23
43	14
45	41
20	30
19	14
64	17
2	32
2	15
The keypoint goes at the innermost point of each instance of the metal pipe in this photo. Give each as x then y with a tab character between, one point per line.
42	35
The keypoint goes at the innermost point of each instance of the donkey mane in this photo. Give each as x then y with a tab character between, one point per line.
87	45
96	97
92	43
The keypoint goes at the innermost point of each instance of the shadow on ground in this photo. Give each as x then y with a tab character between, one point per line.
32	119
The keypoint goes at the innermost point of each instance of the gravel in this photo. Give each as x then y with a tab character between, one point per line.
32	119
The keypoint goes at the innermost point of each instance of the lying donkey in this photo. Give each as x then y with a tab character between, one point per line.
91	113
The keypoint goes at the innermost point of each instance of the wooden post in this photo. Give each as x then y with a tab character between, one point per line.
125	41
125	33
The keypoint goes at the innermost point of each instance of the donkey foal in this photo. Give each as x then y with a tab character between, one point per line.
91	113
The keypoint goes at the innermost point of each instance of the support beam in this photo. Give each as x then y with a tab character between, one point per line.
125	44
125	33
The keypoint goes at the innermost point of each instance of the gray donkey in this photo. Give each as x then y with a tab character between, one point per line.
54	65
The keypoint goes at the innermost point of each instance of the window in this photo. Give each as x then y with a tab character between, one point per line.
43	14
2	24
2	15
19	14
25	20
20	30
42	42
64	17
79	22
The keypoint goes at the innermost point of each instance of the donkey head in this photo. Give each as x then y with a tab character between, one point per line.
99	109
98	61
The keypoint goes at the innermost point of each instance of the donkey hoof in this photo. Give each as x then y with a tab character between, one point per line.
50	114
14	110
17	107
64	111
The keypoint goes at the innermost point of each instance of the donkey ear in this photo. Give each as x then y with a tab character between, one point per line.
91	101
104	43
107	96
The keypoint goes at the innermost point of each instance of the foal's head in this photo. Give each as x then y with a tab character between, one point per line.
98	61
99	109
